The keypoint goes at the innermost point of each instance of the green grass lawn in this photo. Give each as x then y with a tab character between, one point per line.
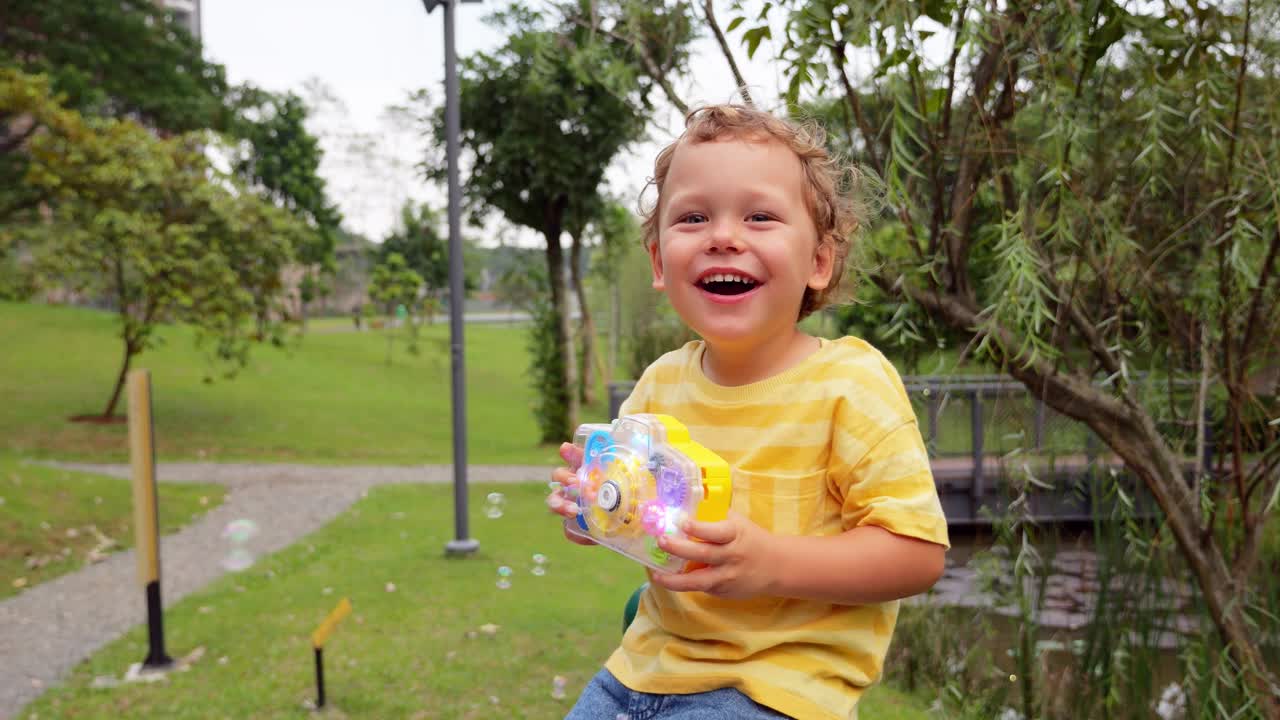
418	651
48	518
329	398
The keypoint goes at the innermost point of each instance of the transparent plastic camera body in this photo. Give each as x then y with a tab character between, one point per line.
641	478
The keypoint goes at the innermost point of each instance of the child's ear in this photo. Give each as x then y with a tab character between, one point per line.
655	261
824	258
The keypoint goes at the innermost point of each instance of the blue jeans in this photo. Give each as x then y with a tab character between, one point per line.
607	699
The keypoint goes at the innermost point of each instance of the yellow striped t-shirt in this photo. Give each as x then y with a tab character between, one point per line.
821	448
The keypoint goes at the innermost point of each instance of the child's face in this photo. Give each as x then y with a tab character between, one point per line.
736	244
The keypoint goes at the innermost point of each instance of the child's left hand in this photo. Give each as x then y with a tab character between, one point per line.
736	552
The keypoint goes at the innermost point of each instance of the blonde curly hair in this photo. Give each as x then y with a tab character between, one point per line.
835	191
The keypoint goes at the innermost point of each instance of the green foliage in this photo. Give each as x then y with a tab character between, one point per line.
542	118
394	285
425	250
123	58
618	230
547	368
148	224
1086	195
282	162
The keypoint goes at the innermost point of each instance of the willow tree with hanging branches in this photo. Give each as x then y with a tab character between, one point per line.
1087	192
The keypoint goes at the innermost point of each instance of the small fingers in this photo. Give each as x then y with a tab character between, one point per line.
564	476
572	454
703	580
560	505
705	553
720	532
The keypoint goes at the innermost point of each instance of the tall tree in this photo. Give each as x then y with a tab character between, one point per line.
125	57
393	285
418	240
121	59
148	223
542	118
1088	193
281	161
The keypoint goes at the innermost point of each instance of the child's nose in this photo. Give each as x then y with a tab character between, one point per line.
724	238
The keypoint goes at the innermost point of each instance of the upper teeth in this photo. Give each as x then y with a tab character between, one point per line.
721	277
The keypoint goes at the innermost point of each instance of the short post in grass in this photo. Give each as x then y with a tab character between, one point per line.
318	636
146	518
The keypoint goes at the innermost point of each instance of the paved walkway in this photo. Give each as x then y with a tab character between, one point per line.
48	629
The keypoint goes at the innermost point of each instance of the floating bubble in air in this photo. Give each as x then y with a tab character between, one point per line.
539	564
238	559
504	572
494	504
557	687
238	533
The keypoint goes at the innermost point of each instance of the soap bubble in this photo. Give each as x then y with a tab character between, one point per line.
539	561
504	572
237	560
557	687
493	505
238	531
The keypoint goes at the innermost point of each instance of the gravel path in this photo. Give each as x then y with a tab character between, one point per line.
46	630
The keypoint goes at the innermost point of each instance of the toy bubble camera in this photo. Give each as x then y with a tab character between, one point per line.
641	478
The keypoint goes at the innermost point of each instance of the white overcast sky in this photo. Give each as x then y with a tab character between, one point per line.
372	53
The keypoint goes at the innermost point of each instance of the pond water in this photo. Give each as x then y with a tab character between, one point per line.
979	576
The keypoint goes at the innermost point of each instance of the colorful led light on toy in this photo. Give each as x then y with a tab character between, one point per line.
641	478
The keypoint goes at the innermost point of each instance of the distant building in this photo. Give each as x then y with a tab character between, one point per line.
186	12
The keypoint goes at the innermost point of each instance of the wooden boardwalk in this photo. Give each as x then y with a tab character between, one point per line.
1064	493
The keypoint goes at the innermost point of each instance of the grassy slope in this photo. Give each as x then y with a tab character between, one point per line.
411	653
47	512
329	398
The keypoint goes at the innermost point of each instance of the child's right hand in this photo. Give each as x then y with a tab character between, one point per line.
559	502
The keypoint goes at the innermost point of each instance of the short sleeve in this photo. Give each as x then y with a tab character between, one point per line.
880	468
638	401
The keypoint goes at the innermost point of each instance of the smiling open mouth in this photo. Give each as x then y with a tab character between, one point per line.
727	284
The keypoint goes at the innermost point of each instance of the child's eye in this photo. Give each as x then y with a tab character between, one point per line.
760	217
694	218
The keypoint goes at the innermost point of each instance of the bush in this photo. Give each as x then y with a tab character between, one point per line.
546	368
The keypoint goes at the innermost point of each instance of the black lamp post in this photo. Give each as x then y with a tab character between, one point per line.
461	544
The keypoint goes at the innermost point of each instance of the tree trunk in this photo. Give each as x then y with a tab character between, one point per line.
130	342
124	373
615	327
587	387
552	228
1132	433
